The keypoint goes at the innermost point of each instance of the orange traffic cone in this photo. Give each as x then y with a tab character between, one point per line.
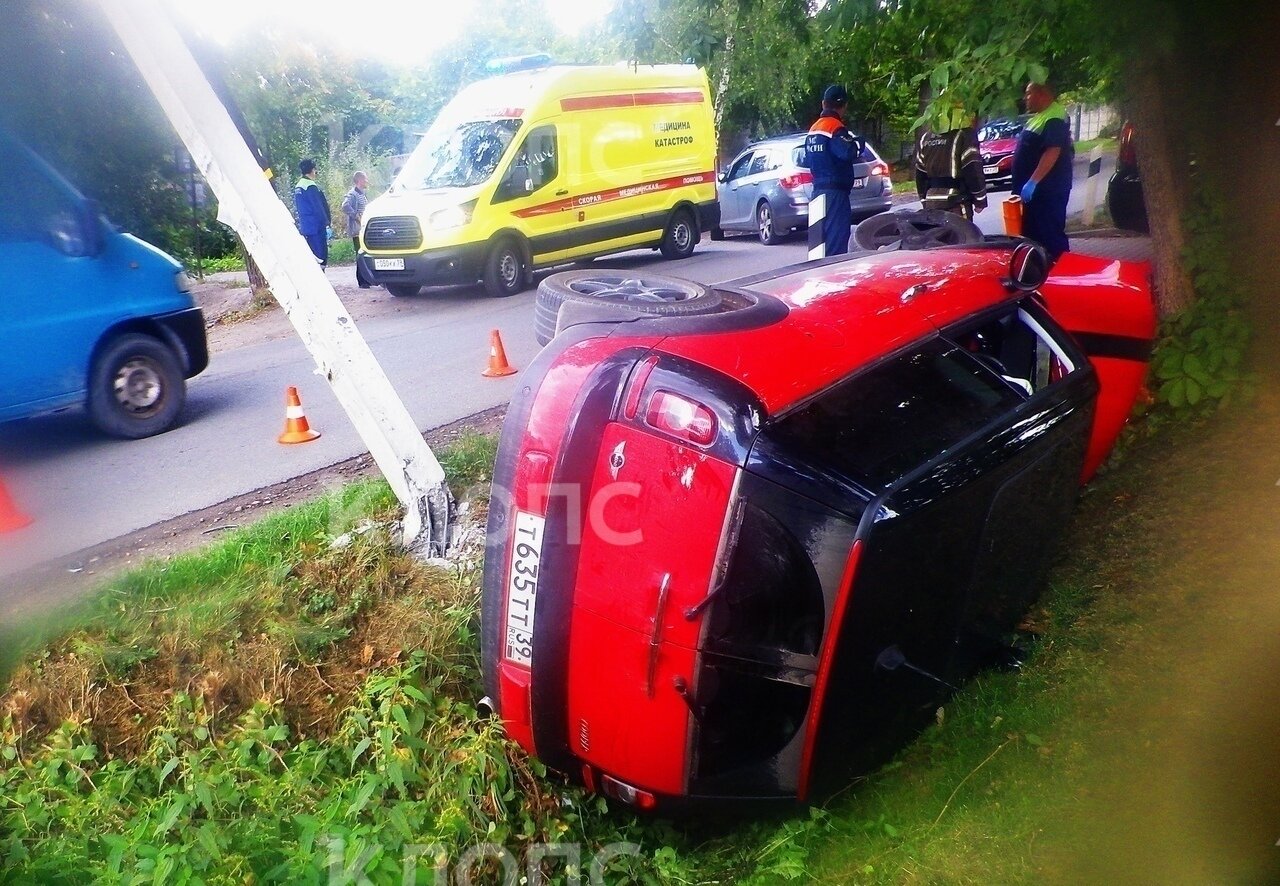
296	429
498	365
10	517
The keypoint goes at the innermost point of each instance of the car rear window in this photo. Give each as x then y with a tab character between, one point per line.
881	424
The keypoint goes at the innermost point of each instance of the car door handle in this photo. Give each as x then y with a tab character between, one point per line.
562	193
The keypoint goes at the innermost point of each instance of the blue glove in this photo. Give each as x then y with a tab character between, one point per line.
1028	190
328	231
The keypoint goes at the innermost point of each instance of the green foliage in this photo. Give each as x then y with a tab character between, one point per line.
1199	362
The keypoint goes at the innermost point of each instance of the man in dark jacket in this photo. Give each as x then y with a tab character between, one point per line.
830	151
949	167
313	212
1042	170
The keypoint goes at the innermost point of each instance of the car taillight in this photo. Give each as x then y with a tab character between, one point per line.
1128	155
879	168
681	417
796	180
632	796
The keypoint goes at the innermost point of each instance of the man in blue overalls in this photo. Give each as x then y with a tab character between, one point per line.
1042	170
830	151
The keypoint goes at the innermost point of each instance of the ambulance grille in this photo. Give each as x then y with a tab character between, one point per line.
393	232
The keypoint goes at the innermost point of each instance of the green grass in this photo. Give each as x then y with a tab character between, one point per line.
1084	147
341	252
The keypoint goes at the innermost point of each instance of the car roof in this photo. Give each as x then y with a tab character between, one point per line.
847	314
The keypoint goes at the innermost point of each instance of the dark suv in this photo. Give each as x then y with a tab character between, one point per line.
741	538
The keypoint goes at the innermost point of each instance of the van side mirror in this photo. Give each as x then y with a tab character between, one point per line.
76	232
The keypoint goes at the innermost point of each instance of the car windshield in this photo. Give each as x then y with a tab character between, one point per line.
457	157
1000	129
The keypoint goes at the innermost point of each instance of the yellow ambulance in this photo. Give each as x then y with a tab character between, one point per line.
548	166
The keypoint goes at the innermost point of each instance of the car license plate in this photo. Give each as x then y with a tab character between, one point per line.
388	264
991	170
859	183
522	586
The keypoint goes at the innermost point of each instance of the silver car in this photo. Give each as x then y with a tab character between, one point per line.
767	191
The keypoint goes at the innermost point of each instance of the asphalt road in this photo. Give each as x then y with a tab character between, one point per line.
83	489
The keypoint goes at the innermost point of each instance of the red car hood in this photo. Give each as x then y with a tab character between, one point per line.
997	146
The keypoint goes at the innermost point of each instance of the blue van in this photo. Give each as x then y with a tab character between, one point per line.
88	315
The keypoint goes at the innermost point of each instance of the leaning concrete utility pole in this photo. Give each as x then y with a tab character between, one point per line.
247	204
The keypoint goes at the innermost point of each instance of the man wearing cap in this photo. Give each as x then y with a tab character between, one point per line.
948	166
830	151
313	212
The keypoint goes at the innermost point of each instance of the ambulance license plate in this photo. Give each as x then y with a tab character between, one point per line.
522	587
388	264
991	170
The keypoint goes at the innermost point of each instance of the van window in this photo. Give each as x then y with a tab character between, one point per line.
883	423
535	165
457	157
44	208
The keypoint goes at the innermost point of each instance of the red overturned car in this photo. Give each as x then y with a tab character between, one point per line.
742	537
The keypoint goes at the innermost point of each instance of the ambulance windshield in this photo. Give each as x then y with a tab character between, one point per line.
457	156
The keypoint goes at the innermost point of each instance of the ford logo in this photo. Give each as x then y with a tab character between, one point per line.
389	232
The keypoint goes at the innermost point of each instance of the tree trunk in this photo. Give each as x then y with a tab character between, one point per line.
1165	166
722	87
257	280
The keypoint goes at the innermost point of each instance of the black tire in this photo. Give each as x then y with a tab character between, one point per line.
136	387
404	290
681	235
617	295
765	229
915	229
505	269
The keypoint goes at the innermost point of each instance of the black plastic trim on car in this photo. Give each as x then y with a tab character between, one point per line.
186	327
1121	347
760	310
549	687
586	234
431	267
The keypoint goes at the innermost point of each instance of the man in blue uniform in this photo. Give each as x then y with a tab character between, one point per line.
313	212
830	151
1042	170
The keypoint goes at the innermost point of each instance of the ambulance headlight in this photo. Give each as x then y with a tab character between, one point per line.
453	217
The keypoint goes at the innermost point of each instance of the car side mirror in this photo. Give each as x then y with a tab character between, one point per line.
723	177
1028	267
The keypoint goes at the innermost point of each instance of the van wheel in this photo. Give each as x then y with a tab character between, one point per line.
403	290
136	387
505	269
614	296
681	235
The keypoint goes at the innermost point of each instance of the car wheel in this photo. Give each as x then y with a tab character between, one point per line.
505	269
617	296
136	387
403	290
681	235
915	229
768	234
